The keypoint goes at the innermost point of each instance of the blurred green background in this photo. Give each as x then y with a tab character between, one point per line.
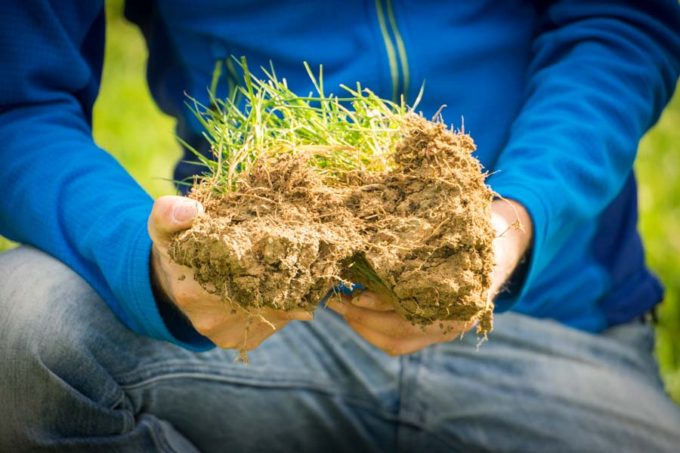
129	125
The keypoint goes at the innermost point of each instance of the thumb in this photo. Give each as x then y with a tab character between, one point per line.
171	214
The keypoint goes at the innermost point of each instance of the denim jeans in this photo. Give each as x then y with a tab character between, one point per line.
73	378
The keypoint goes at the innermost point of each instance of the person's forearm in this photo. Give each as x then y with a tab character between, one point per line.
600	75
62	193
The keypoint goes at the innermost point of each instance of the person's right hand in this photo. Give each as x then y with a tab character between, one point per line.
226	324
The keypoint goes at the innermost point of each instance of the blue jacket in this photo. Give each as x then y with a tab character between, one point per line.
556	95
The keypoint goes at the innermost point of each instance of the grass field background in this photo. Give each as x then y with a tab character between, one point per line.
128	124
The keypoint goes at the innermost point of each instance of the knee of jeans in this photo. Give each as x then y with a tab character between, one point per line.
53	367
36	291
49	318
42	322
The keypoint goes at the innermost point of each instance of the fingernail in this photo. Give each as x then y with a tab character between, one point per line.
302	316
185	211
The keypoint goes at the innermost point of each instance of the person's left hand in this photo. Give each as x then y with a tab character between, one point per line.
378	322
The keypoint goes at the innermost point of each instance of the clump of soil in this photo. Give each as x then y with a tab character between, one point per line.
419	234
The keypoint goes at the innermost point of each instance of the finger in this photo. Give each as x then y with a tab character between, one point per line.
247	334
299	315
275	314
393	325
272	313
342	297
191	297
390	345
338	306
259	335
171	214
386	323
198	304
371	301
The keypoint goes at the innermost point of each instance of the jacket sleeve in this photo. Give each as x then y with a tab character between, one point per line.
601	73
63	194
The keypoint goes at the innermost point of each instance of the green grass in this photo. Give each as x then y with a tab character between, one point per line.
262	117
127	123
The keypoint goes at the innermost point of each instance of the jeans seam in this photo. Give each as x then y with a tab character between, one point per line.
154	372
349	399
109	399
159	439
215	375
128	417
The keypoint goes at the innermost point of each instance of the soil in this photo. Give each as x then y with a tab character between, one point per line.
420	234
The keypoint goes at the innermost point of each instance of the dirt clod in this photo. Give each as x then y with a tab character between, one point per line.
418	234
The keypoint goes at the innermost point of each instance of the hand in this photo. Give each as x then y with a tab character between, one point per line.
227	325
378	322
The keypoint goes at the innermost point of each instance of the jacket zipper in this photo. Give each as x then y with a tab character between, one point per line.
395	48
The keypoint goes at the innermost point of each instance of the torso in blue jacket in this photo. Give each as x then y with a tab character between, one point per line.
555	94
